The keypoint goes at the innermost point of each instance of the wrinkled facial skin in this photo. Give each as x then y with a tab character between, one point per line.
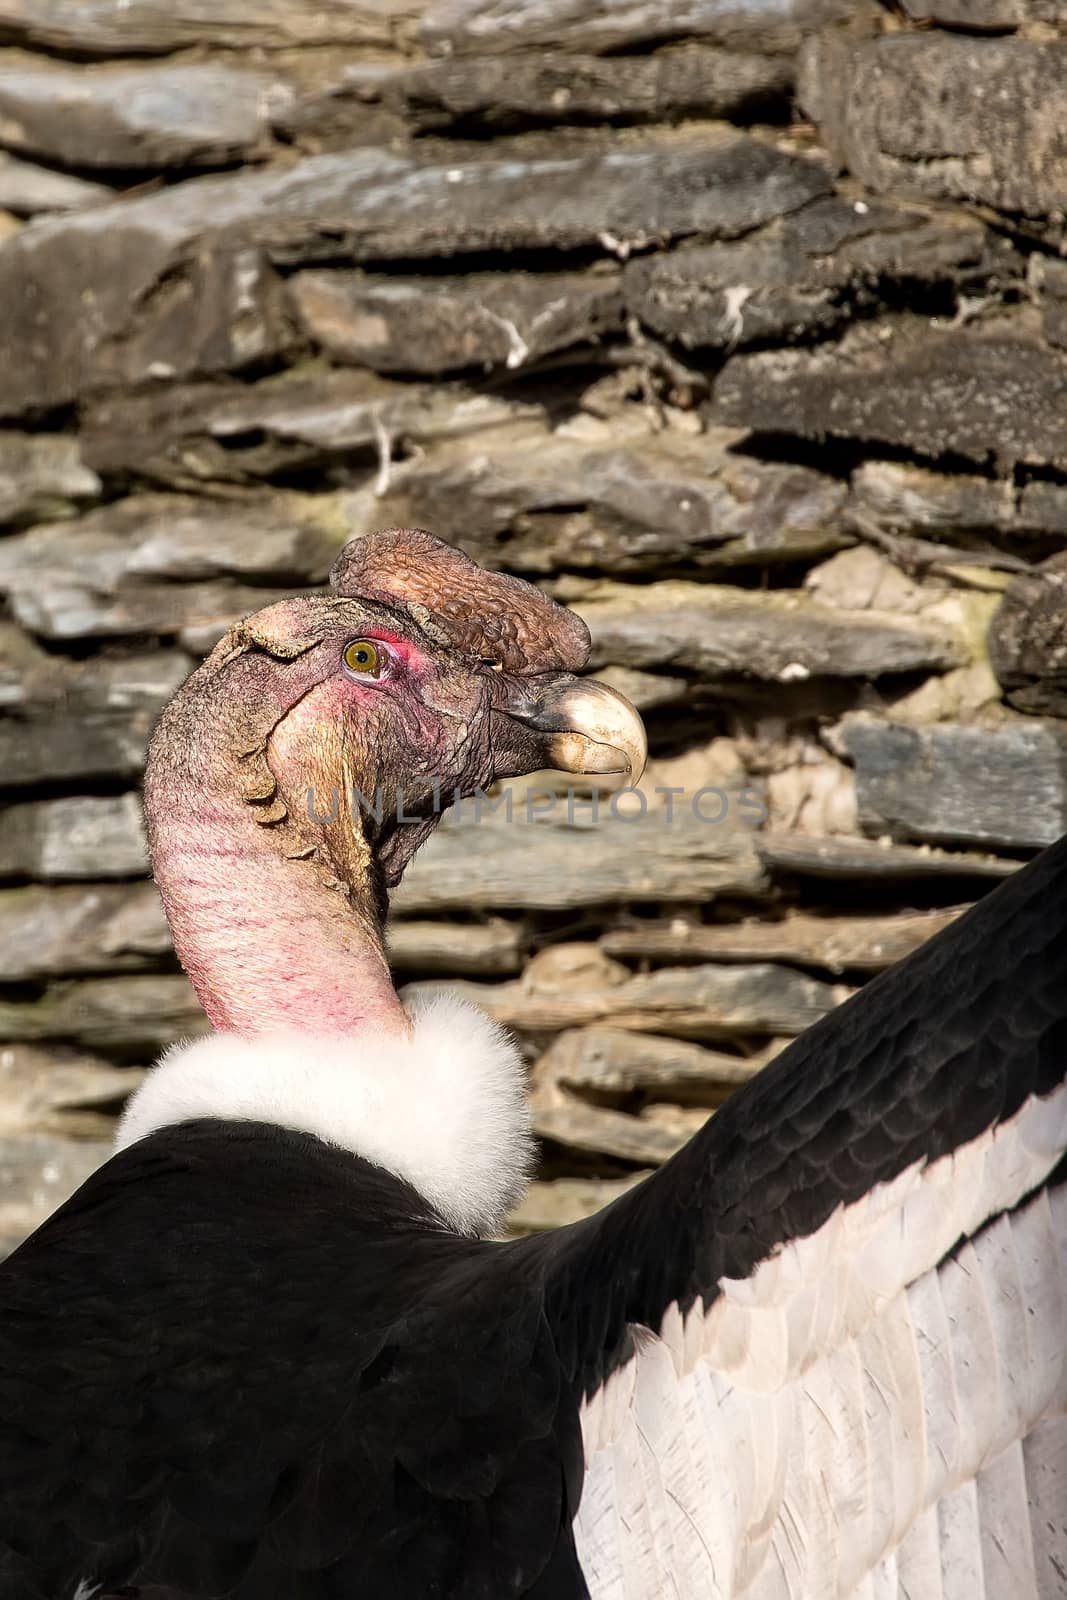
424	726
374	688
407	736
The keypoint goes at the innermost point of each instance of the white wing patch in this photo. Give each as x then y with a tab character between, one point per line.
856	1421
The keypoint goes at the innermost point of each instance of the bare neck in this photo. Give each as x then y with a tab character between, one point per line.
270	942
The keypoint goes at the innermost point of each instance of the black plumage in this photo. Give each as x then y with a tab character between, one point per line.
240	1362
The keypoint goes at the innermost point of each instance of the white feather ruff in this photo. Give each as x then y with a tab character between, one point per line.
445	1109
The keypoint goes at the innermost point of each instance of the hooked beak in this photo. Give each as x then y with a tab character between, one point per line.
589	727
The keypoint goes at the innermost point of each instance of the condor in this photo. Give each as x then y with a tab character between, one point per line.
268	1352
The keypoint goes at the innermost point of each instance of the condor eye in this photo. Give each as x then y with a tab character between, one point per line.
364	657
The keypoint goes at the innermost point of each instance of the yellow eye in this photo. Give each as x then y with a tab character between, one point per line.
363	655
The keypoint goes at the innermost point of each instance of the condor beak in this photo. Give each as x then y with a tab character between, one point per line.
589	727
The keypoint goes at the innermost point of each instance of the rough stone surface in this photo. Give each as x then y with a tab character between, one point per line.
648	691
1028	639
933	390
872	861
115	570
180	281
75	837
134	1016
27	190
573	1123
944	115
443	324
60	1091
661	499
506	91
829	944
563	989
607	1060
284	537
38	684
1001	786
781	636
42	476
48	932
195	115
151	27
493	25
978	14
562	864
904	495
75	720
301	421
220	312
492	948
802	274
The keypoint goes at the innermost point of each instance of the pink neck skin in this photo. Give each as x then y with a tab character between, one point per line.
268	946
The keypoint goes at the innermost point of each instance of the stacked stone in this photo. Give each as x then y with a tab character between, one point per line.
742	327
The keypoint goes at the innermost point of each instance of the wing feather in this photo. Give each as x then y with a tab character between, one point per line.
1045	1457
855	1283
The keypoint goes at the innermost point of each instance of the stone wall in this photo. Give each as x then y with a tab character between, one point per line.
740	326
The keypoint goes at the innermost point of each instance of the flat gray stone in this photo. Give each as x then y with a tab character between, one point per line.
492	948
1004	785
777	636
902	494
1043	508
500	25
938	391
42	477
221	312
944	115
505	91
827	943
79	719
60	1091
552	863
68	746
197	114
606	1060
197	615
1047	281
550	502
56	932
78	837
156	27
310	417
186	285
801	274
839	858
277	537
972	15
27	190
700	1002
1028	638
954	506
114	570
38	684
443	324
573	1123
137	1015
